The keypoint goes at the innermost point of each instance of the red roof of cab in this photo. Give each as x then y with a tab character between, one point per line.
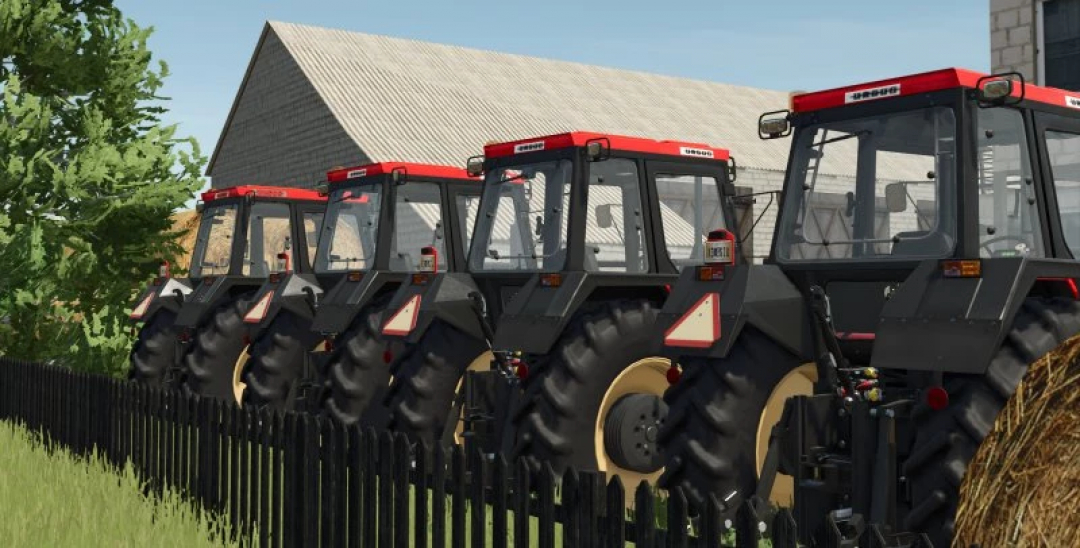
915	84
422	170
618	142
263	191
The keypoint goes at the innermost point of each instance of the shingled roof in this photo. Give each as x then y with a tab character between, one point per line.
314	97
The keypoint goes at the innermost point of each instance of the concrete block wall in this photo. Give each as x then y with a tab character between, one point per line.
1012	37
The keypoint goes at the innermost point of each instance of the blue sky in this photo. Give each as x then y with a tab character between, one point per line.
777	44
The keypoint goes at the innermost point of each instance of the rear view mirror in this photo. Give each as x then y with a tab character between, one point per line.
998	89
475	166
199	206
603	216
896	197
774	125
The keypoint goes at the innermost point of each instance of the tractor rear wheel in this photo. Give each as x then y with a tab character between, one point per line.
218	351
594	401
720	414
946	440
155	350
358	372
425	380
276	362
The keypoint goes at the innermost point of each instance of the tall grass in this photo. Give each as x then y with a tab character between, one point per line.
51	498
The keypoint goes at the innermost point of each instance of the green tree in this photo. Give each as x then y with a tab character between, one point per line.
89	176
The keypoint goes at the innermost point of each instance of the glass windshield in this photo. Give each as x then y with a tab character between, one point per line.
614	227
690	208
269	233
878	187
522	223
417	224
213	245
350	230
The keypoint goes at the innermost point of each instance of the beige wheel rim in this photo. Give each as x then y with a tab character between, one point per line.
480	363
645	376
798	382
238	385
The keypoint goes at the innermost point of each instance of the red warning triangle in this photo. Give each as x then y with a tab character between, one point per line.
141	309
699	327
404	320
258	312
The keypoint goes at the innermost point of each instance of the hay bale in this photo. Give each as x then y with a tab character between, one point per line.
1023	486
188	222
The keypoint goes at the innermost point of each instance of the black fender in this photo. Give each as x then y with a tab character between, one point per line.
208	294
757	295
295	293
955	325
340	305
538	314
446	297
164	293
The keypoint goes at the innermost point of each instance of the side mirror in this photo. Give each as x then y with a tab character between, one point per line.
323	189
475	166
997	89
774	125
598	149
896	197
603	216
398	175
199	206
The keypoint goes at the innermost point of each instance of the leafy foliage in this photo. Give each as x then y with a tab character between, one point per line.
88	179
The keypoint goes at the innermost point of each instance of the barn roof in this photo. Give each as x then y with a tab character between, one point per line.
407	100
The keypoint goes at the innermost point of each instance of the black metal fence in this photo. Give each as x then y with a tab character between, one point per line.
286	479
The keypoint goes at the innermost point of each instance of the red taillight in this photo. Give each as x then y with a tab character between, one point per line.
247	340
429	259
522	370
328	344
937	398
184	336
720	248
673	374
387	356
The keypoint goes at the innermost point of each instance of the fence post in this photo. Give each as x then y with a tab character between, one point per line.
356	483
371	501
644	519
546	492
615	531
478	475
340	482
438	497
402	463
457	532
246	470
500	478
420	475
522	503
571	508
386	489
309	445
328	447
676	519
278	503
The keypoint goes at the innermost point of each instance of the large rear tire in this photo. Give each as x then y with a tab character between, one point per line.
572	391
276	362
155	350
421	395
358	372
217	350
946	440
718	414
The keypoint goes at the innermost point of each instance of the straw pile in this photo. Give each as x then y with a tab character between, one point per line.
187	221
1023	486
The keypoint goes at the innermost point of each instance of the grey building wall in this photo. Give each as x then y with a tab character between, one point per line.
282	132
1013	37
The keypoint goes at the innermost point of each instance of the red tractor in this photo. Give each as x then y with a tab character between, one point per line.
243	231
924	255
577	237
383	222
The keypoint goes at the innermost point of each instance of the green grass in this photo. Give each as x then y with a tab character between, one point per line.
54	499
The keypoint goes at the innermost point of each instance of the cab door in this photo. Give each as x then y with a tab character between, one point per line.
1058	138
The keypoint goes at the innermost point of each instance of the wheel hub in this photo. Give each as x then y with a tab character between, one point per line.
631	429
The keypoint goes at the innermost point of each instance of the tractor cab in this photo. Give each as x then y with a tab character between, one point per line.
384	222
567	216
